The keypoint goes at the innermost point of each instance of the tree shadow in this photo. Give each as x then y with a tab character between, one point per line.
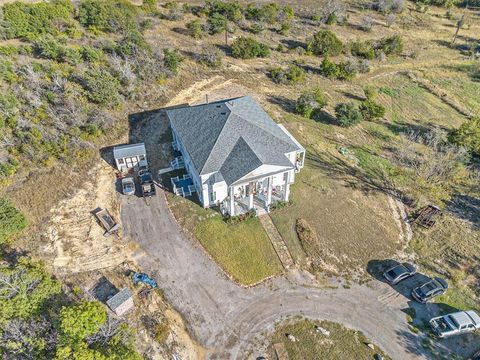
293	44
181	31
103	290
465	207
352	96
286	104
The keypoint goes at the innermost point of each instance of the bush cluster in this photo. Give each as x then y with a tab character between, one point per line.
345	70
468	136
348	114
310	103
28	21
325	43
370	49
292	74
108	15
101	86
249	48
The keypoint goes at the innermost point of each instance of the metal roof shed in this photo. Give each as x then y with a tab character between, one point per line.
121	302
130	156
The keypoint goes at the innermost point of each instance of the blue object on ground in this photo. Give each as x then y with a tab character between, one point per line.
144	278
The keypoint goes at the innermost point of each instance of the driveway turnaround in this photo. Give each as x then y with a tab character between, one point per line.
230	320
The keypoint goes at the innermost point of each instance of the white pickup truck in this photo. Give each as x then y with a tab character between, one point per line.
455	323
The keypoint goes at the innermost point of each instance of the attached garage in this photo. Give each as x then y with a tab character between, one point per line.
132	156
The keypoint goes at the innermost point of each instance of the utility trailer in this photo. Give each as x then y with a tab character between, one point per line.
147	185
106	220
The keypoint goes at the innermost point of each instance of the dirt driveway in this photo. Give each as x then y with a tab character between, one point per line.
231	320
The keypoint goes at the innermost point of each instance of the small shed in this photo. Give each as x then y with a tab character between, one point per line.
131	156
121	302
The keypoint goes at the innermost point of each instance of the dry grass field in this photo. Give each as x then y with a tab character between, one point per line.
341	197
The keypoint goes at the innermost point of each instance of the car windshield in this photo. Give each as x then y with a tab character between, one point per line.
396	271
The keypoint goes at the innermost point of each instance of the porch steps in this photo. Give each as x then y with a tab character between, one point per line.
277	241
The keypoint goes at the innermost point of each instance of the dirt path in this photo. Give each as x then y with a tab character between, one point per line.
229	319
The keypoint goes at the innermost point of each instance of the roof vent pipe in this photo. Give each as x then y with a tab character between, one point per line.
206	98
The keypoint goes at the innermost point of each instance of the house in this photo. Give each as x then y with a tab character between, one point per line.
131	156
235	154
121	302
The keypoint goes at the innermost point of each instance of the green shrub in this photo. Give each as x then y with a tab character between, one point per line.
102	88
131	43
468	136
210	56
8	168
196	29
31	294
230	10
363	49
71	55
329	69
285	28
216	23
341	71
249	48
108	15
293	74
172	59
256	28
310	103
331	19
371	110
348	114
91	54
149	6
7	71
9	50
325	43
392	45
30	20
11	221
48	47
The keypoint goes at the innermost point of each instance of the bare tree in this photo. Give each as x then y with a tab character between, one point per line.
27	339
438	162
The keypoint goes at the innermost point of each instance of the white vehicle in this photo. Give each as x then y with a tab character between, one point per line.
455	323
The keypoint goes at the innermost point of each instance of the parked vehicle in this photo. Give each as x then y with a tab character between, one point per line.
146	184
399	272
455	323
429	290
128	186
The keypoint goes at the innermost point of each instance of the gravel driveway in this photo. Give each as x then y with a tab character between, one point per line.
229	319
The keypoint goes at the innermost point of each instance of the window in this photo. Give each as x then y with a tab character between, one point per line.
213	196
120	161
142	157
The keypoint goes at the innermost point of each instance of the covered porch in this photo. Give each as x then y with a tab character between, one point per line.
257	195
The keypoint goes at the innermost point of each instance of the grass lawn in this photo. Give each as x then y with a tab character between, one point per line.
342	216
243	250
342	343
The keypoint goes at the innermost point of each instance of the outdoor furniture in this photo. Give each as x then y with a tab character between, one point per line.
426	216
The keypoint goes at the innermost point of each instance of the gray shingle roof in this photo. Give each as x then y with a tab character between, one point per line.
123	151
119	298
233	136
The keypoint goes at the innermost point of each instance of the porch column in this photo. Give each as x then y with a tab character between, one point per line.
286	191
269	191
232	202
250	195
